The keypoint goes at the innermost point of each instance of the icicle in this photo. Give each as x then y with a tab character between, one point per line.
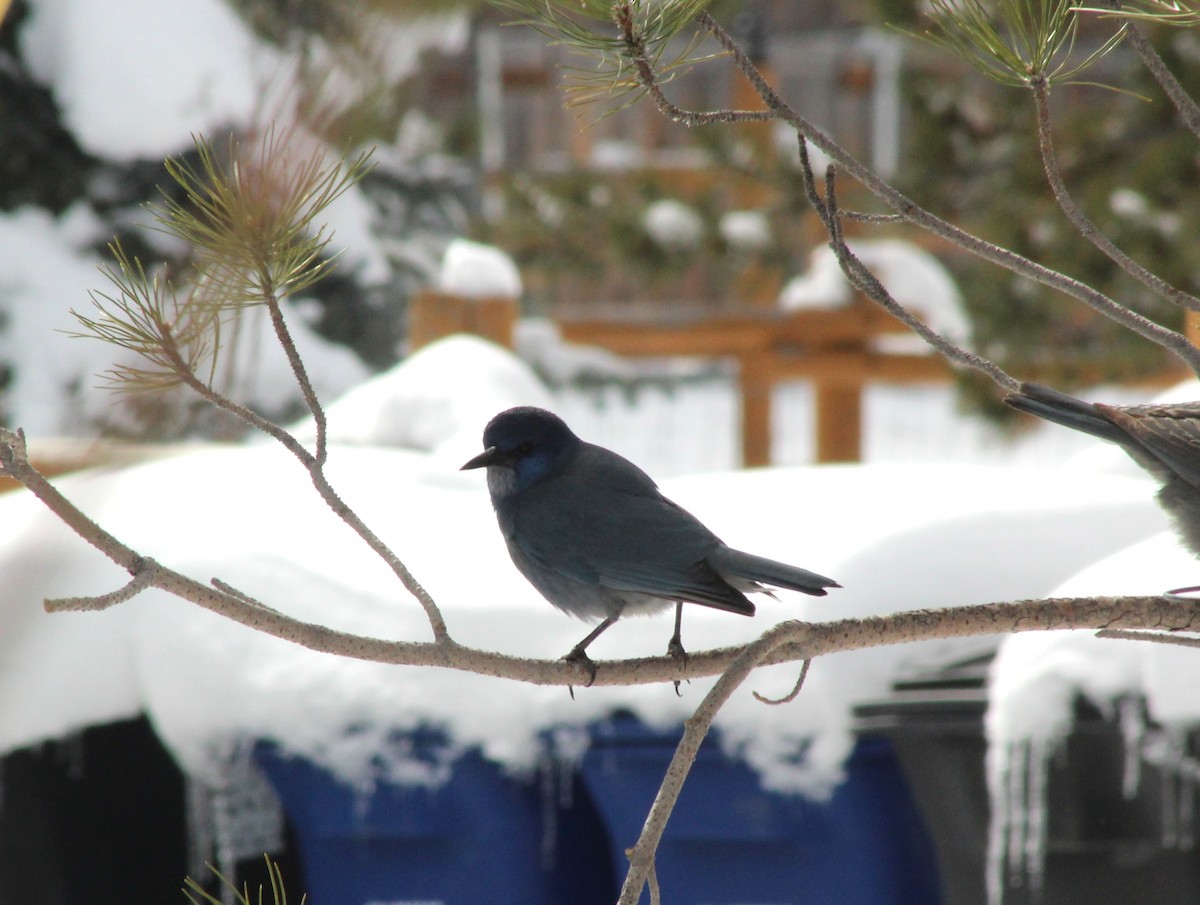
1018	814
1037	764
1187	806
1132	718
235	817
548	778
999	770
1018	781
1169	758
70	750
557	769
199	830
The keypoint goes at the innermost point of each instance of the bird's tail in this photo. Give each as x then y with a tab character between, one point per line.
735	563
1065	410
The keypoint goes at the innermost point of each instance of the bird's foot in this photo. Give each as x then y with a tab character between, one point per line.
676	652
579	656
1182	593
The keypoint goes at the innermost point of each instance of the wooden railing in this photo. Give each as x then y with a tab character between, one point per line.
835	349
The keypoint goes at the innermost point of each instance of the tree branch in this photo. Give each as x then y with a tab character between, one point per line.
695	729
301	373
314	465
637	54
1081	222
1189	110
1167	613
1174	342
1153	637
861	277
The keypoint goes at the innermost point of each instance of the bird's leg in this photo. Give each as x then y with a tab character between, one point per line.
579	655
675	645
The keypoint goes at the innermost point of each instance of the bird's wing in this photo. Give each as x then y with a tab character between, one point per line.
603	522
1171	433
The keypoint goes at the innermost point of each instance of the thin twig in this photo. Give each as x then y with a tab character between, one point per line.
436	623
326	491
641	856
637	55
1189	110
296	363
864	217
141	580
1154	637
861	277
1045	134
652	882
791	695
226	588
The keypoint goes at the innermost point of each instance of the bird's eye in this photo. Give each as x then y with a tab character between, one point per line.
524	449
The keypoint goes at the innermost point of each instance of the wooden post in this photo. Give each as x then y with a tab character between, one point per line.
1191	327
838	421
432	315
756	385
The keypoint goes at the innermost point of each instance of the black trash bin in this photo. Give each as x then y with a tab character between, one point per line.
1100	845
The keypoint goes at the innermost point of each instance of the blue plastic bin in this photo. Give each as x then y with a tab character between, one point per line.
479	839
729	842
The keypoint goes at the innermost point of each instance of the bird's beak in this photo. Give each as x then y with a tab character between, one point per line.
490	456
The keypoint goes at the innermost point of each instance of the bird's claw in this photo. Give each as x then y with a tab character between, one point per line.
579	656
676	652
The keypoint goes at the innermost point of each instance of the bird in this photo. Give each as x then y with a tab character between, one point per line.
1163	439
594	535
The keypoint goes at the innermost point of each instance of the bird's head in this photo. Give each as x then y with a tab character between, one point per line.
528	442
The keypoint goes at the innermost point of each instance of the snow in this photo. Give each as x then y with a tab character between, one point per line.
129	87
474	270
434	401
914	277
44	272
539	342
745	230
919	526
672	224
896	536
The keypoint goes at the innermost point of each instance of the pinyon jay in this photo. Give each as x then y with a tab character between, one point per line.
592	532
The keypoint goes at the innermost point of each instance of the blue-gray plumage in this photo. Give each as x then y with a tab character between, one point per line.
1163	439
592	532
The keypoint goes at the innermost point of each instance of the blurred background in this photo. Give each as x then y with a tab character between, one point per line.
668	291
615	218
